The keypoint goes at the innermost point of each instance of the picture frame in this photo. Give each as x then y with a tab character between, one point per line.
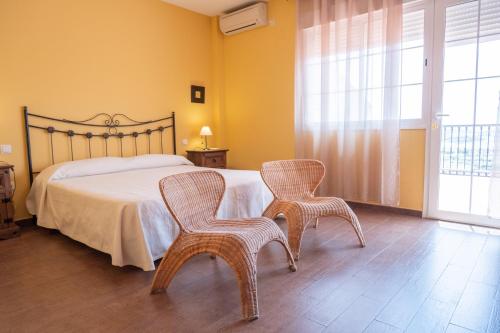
197	94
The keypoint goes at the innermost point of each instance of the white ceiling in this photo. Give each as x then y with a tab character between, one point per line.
210	7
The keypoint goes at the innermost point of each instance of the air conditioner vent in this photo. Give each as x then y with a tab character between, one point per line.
244	19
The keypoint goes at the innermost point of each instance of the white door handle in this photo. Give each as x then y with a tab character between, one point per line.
440	115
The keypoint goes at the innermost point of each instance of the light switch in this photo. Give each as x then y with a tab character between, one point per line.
6	149
185	142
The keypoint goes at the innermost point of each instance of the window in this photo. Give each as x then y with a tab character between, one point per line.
413	63
359	82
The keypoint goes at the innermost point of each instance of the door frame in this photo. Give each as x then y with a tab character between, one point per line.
433	131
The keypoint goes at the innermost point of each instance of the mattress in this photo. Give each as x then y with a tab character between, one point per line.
114	204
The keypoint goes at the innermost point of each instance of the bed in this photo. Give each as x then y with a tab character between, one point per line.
113	204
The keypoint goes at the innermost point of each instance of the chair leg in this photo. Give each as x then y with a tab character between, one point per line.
316	223
248	291
353	220
357	227
169	265
245	267
291	262
295	232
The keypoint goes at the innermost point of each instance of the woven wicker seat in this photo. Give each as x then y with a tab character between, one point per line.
193	200
293	183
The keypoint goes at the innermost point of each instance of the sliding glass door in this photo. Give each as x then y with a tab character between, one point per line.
465	102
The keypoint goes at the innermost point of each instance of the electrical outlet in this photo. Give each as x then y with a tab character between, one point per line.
5	149
185	142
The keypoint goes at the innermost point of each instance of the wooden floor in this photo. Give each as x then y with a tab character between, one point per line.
414	275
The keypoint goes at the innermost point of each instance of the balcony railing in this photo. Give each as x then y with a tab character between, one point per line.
468	150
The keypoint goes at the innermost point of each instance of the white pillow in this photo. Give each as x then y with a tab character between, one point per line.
102	165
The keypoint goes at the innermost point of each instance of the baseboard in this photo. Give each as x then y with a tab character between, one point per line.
26	222
387	209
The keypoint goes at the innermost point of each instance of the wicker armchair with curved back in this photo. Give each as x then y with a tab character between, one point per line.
293	183
193	199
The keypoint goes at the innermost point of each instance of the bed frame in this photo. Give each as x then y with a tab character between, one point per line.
102	126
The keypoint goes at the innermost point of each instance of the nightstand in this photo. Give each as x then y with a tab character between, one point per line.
8	228
211	158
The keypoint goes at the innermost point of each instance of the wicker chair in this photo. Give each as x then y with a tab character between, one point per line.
293	183
193	199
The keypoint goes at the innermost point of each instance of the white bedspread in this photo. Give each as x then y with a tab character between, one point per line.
114	205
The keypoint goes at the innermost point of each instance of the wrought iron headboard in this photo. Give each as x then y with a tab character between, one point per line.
109	122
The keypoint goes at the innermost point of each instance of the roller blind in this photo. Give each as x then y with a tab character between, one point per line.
413	24
462	20
490	17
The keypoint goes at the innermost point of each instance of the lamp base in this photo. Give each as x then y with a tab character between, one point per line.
206	143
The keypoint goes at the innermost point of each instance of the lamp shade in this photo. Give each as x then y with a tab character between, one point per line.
205	130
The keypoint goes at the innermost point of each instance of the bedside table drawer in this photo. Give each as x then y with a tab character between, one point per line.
214	160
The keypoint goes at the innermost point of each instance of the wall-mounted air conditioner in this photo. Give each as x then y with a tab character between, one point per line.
244	19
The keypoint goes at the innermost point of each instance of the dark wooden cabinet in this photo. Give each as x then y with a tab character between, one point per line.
211	158
8	228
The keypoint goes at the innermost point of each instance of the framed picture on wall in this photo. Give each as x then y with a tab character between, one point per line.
197	94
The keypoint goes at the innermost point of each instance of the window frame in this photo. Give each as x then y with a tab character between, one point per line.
423	122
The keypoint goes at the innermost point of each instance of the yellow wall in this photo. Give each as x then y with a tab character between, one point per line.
412	169
218	78
259	90
258	70
76	58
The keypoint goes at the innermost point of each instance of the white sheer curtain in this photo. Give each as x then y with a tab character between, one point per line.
494	200
348	73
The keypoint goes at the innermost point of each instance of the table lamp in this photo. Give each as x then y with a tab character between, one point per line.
206	131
